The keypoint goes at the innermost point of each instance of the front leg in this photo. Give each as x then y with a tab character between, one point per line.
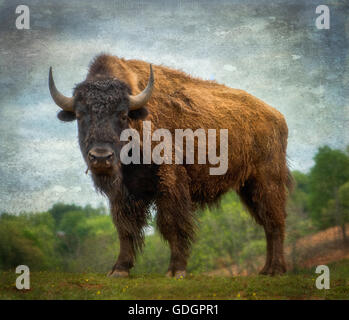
175	216
125	260
130	218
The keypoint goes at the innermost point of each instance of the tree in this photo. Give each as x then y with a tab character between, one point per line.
331	170
343	202
224	233
298	220
59	209
27	239
300	196
337	210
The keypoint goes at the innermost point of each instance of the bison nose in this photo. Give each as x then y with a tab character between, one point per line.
101	157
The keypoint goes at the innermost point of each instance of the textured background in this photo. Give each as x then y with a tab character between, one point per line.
270	48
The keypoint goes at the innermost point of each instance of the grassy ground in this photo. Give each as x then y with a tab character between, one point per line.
56	285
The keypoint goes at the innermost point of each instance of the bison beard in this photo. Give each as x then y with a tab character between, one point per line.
257	155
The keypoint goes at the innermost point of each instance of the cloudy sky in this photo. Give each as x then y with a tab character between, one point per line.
272	49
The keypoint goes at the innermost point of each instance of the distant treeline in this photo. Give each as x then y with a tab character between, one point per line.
80	239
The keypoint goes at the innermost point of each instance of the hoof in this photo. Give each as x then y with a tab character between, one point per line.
273	270
180	274
264	270
118	274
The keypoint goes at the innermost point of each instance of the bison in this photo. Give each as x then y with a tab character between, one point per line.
118	94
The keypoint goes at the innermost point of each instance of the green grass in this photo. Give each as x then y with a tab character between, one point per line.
58	285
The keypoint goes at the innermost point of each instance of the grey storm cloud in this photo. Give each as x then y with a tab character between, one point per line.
271	49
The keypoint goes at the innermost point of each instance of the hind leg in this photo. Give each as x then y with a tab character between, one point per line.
267	204
275	263
175	217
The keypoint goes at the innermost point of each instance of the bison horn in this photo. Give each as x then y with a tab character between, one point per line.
141	99
62	101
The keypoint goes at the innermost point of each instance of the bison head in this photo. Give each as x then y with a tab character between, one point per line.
103	108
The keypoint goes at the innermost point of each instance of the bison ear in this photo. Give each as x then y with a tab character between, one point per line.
139	114
66	116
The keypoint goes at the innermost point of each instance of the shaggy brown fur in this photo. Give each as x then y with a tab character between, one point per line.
257	168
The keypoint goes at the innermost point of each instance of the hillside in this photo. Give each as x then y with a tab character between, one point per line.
55	285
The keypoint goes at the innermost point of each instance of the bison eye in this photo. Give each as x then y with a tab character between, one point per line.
123	117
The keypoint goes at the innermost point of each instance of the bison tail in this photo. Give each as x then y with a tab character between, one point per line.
289	181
